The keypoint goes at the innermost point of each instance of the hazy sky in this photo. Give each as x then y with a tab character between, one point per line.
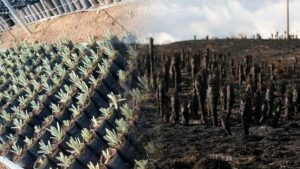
172	20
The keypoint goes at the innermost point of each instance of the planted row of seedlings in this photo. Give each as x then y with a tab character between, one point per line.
60	115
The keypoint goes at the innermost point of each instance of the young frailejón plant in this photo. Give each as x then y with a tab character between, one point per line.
136	95
56	80
8	95
7	117
122	78
16	110
115	99
45	149
48	120
47	87
122	126
133	54
66	124
144	83
140	164
113	138
30	93
127	112
122	75
86	135
93	81
63	97
74	78
3	144
83	87
104	68
57	133
106	112
70	64
96	122
68	89
24	115
23	81
93	166
76	146
110	51
18	125
28	142
84	71
36	85
64	161
60	71
75	111
16	89
55	109
82	98
2	127
87	62
23	101
12	139
37	131
16	150
107	155
35	105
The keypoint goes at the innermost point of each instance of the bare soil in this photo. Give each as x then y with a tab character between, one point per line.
79	26
206	147
2	166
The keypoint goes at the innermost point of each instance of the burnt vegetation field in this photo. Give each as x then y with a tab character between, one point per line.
221	104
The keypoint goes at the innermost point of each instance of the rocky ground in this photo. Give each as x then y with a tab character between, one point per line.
175	146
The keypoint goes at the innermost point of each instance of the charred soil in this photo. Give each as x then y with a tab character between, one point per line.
197	146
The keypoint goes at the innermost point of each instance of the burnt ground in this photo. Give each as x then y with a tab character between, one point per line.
195	146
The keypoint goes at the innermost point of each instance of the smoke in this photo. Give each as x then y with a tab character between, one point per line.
173	20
